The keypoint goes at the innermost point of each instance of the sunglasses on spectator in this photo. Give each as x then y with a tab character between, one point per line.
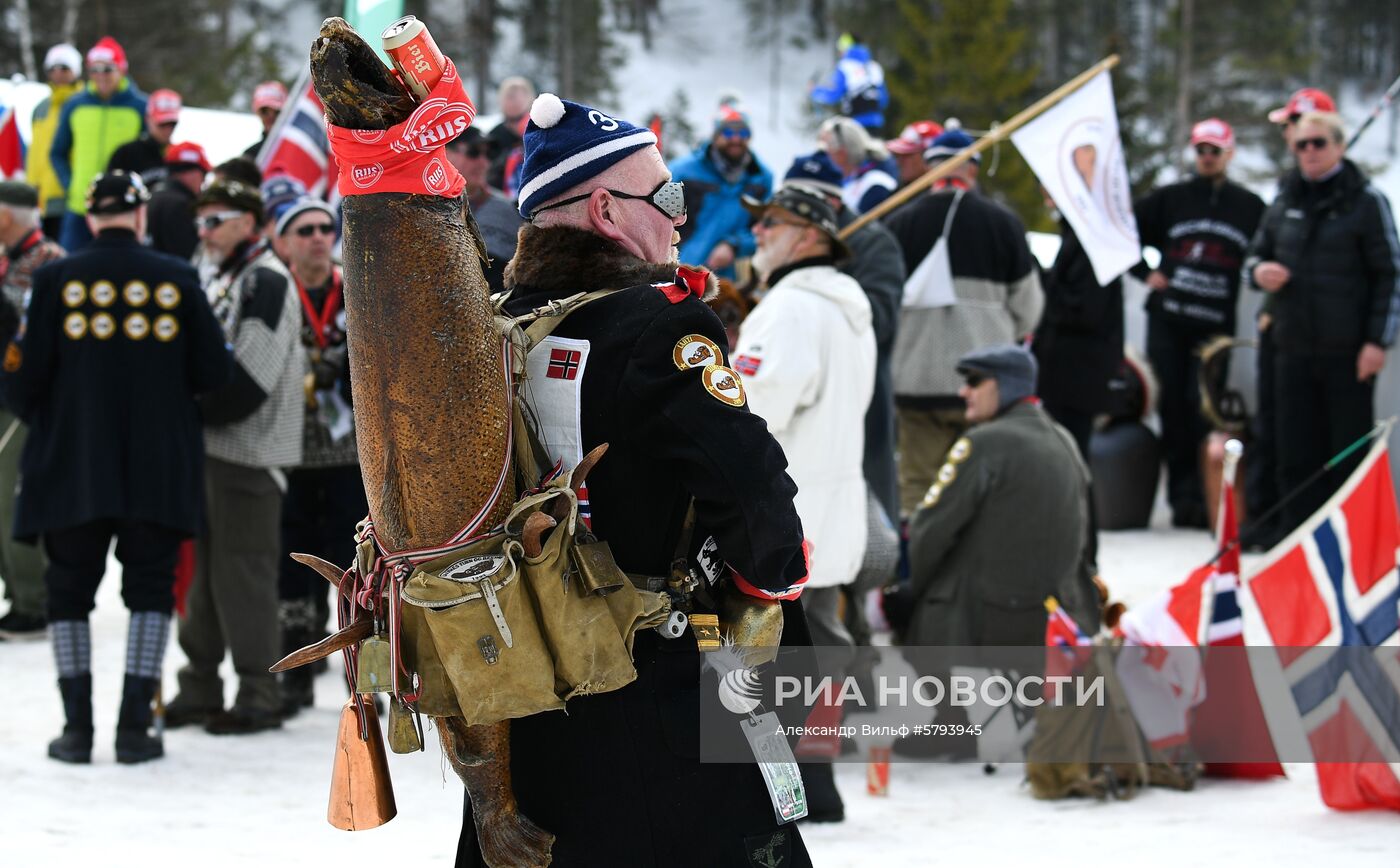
769	221
312	228
63	66
668	198
1208	150
974	380
103	67
733	133
1318	142
210	222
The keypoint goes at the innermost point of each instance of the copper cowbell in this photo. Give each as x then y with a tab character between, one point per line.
362	796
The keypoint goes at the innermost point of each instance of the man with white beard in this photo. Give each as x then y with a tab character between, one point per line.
807	356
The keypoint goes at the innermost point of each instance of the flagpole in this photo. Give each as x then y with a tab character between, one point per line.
997	134
1381	427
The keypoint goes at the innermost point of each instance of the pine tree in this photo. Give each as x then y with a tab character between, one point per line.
969	61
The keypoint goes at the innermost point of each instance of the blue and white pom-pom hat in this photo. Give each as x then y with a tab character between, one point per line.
567	143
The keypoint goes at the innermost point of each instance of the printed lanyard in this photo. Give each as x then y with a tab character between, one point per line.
329	308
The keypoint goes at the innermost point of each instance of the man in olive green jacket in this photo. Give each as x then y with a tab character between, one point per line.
1006	523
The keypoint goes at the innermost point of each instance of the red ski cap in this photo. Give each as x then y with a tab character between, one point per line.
1309	99
269	94
163	107
915	138
1213	131
186	154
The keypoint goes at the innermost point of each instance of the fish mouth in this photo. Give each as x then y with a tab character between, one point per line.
358	91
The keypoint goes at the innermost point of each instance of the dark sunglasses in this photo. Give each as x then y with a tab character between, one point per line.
1318	142
668	198
311	229
1208	150
210	222
103	67
731	133
974	379
769	221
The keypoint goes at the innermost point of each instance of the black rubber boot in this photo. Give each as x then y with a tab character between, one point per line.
135	744
75	745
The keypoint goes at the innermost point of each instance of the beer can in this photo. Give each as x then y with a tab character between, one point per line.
414	54
877	772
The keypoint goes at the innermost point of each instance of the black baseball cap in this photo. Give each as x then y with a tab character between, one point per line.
116	192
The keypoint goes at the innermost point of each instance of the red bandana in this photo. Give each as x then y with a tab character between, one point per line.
408	157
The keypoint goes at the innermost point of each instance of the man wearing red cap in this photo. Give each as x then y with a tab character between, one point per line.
170	216
105	116
146	155
268	99
1202	227
908	149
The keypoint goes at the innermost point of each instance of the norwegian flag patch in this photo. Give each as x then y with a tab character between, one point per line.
563	364
747	364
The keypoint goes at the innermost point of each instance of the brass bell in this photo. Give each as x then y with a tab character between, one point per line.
362	796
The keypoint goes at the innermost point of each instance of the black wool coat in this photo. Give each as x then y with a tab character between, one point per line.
119	340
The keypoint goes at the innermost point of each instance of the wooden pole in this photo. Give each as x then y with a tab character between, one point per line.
998	133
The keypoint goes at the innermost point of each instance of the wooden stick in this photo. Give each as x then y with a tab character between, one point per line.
1002	131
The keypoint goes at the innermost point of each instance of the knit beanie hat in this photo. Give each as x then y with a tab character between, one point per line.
731	117
107	50
300	207
567	143
1013	368
948	143
64	54
815	170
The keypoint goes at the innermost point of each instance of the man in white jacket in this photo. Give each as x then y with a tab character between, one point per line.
807	356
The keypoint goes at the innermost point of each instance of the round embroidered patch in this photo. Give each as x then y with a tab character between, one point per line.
166	327
695	351
13	358
74	293
136	326
136	293
167	296
103	326
947	473
75	326
103	293
960	450
724	384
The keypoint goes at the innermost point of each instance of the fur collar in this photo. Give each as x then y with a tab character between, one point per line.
562	260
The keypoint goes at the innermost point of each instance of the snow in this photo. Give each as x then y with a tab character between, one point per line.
261	799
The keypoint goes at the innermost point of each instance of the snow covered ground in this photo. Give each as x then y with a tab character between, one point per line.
261	800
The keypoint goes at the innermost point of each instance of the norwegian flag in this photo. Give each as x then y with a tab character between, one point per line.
563	364
297	145
11	146
1333	585
1062	637
1230	722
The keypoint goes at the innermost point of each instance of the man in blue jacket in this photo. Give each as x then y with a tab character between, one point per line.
717	176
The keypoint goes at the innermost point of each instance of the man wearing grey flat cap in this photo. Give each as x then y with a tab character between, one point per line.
1006	522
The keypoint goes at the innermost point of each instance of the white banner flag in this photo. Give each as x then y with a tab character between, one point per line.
1074	150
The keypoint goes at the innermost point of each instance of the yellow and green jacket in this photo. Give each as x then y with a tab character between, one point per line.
38	169
89	130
